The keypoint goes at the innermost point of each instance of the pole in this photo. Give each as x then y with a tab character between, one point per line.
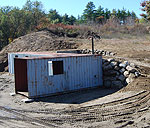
92	45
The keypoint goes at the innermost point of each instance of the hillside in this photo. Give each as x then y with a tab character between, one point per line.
37	41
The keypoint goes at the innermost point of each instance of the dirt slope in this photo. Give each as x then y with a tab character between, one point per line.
94	108
37	41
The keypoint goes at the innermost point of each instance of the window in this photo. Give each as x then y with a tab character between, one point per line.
55	67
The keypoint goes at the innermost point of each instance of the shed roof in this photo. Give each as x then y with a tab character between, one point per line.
33	53
53	55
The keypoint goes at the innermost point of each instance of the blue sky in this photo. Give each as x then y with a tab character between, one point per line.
75	7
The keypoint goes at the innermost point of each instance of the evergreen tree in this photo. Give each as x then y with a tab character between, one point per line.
65	19
129	14
107	14
100	14
114	12
133	15
100	11
119	14
28	5
54	17
72	20
123	15
89	12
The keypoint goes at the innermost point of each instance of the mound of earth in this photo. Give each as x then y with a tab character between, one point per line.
37	41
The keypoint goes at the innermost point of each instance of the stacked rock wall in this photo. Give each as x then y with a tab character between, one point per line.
117	74
88	51
99	52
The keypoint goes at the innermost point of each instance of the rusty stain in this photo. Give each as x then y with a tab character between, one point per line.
45	79
50	83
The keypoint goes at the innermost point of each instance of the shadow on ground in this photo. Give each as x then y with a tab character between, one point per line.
78	97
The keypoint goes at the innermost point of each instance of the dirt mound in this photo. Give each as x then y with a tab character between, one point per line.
37	41
90	34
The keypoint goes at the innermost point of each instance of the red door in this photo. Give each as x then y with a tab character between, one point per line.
20	68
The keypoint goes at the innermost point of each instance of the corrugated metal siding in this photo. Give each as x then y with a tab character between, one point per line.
79	72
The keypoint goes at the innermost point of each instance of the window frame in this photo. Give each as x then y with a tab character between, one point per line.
55	67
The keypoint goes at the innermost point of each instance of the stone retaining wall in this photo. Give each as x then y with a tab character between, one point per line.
117	74
100	52
88	51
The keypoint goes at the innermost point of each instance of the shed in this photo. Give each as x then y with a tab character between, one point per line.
44	76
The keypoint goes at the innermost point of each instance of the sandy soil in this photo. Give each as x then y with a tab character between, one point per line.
128	107
95	108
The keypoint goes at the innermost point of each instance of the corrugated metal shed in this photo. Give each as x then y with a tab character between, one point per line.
59	73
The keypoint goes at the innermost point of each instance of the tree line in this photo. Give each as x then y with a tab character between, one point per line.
15	22
101	15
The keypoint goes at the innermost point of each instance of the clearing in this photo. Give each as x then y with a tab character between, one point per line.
127	107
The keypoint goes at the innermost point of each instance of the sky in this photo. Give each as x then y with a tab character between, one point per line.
76	7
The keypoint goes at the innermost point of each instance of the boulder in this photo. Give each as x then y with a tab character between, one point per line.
131	69
126	62
126	73
104	60
122	70
121	78
107	53
129	80
110	78
106	63
99	52
112	54
88	51
110	73
108	67
137	74
104	53
122	65
117	68
107	83
117	84
132	65
114	63
111	60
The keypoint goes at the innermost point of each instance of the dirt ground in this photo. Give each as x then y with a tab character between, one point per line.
94	108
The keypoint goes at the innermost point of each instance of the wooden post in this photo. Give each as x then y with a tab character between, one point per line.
92	45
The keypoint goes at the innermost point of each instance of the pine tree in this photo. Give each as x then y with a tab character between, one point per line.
89	12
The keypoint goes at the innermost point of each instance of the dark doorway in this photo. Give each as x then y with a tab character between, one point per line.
20	68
